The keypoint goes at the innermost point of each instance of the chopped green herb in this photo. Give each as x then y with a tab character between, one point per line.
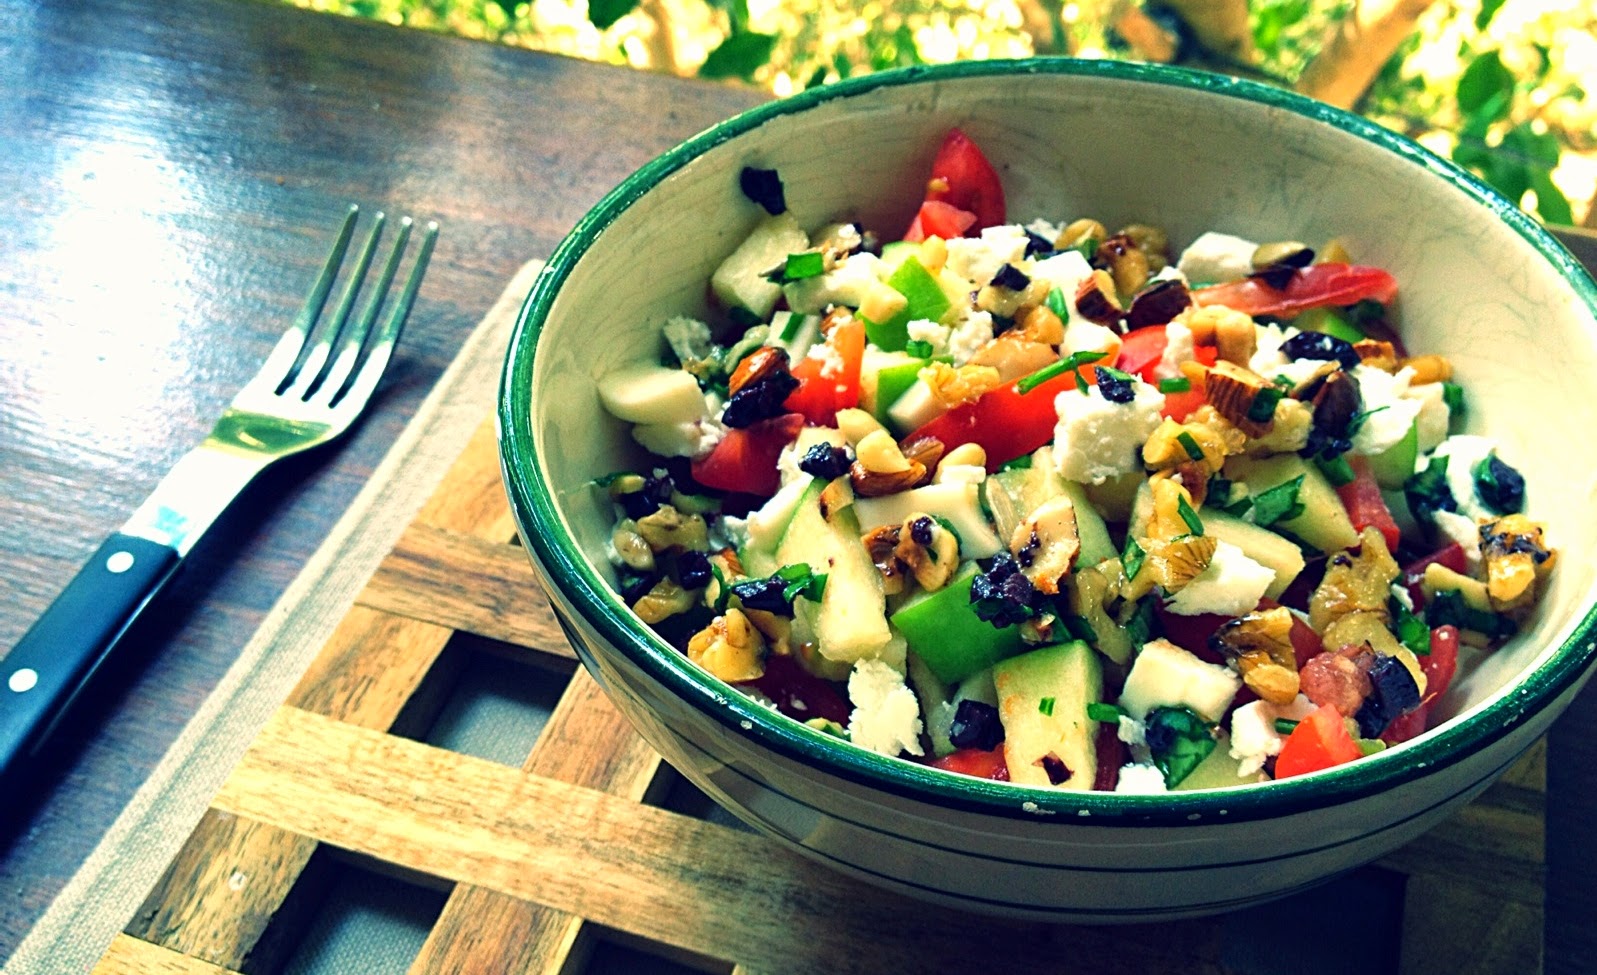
1104	713
1046	706
1069	363
1086	247
1239	507
948	527
1194	523
1449	607
919	348
1143	624
1263	406
1284	726
1357	423
801	582
1336	470
1453	396
723	591
1056	304
1410	629
605	480
809	264
1279	503
1131	557
1021	463
1284	383
828	726
1178	740
1081	384
1427	491
1175	384
1189	443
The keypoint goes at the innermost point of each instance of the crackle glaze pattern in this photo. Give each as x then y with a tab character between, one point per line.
1190	152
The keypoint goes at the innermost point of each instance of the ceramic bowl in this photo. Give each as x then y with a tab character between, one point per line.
1191	152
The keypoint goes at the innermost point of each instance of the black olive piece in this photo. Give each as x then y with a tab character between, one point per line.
1003	595
1114	388
1038	246
638	505
976	725
766	594
1319	345
824	461
634	585
1011	277
1335	406
1501	487
1393	692
759	400
764	187
920	530
693	570
1158	303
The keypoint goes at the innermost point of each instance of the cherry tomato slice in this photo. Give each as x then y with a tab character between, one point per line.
745	459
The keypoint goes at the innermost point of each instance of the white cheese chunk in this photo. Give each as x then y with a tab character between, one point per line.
969	335
1268	359
1096	439
1434	416
1463	453
1231	584
977	259
886	716
933	334
1253	734
1064	270
1215	257
1461	529
1140	780
1082	335
1165	675
1178	348
1387	413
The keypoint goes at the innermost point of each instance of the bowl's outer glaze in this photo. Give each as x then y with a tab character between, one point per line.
1121	143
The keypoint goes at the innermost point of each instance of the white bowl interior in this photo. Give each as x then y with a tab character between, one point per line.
1472	285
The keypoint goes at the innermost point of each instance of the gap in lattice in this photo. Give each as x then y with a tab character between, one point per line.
616	952
357	919
486	699
675	793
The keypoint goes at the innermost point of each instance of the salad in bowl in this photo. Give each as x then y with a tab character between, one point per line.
1065	504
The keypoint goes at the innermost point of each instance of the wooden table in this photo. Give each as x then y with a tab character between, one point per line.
173	171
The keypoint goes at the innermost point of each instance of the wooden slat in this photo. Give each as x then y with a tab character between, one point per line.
586	742
131	956
694	885
465	583
366	674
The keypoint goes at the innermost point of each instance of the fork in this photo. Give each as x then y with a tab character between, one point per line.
316	381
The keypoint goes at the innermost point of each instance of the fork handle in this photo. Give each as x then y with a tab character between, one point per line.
56	658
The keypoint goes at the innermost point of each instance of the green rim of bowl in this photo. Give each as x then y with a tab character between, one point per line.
544	531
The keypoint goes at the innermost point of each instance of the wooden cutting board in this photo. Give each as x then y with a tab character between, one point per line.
543	862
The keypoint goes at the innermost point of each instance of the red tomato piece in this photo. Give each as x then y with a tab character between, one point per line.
1365	506
1306	643
824	386
1316	286
745	460
962	176
974	761
1319	741
1005	422
798	693
1192	633
1141	349
939	219
1111	752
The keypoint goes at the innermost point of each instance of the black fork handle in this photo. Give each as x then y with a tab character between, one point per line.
56	659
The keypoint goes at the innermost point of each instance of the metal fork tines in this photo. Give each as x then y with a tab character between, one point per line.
316	381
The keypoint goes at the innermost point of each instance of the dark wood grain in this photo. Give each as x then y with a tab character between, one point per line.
172	171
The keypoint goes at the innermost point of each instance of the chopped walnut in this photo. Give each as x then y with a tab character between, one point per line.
1516	558
954	386
1046	543
1354	583
731	648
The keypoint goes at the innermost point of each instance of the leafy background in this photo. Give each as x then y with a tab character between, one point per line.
1499	86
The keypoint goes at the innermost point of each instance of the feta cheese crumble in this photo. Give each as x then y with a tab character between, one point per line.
1217	257
1141	780
1254	737
977	259
1096	439
1464	452
886	715
1231	584
1387	412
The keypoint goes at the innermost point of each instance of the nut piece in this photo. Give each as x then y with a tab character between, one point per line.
965	455
1171	563
1080	231
1259	645
881	468
1231	332
662	602
1152	241
1046	543
929	550
1516	558
632	548
756	366
669	529
1038	325
1125	261
1097	300
925	451
1011	356
1235	394
954	386
1376	354
1361	583
1158	303
730	648
882	544
1428	369
1290	426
